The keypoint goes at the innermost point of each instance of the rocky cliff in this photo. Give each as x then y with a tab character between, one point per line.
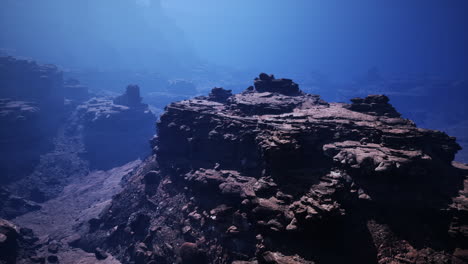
31	106
274	175
26	80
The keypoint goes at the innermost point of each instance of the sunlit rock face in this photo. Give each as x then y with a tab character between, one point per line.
31	105
274	175
116	131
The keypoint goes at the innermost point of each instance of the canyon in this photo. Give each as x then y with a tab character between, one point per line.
275	175
268	175
55	138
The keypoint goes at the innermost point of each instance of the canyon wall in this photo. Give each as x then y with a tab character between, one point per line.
275	175
31	107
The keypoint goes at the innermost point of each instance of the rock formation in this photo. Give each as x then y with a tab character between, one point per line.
27	80
31	105
274	175
374	105
219	95
118	131
130	98
268	83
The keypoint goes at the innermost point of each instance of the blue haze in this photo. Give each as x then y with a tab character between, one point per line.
416	49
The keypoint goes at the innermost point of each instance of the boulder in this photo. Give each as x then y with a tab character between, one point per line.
219	95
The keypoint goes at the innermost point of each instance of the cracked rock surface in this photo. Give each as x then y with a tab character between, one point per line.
275	175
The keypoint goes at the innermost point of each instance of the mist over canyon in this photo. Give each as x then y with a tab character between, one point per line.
153	131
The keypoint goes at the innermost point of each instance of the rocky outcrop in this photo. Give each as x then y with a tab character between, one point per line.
118	131
219	95
31	105
130	98
374	105
268	83
274	175
417	98
27	80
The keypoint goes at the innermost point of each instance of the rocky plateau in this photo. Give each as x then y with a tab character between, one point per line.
276	175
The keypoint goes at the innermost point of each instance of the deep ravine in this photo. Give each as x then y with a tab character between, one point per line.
59	219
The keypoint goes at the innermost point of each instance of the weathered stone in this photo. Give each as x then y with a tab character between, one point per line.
374	105
268	83
273	175
219	95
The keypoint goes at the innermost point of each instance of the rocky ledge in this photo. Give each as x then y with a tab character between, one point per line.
26	80
274	175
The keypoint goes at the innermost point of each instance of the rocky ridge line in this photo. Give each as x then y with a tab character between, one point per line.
274	175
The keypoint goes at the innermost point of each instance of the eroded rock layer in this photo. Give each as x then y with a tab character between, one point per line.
274	175
27	80
31	106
